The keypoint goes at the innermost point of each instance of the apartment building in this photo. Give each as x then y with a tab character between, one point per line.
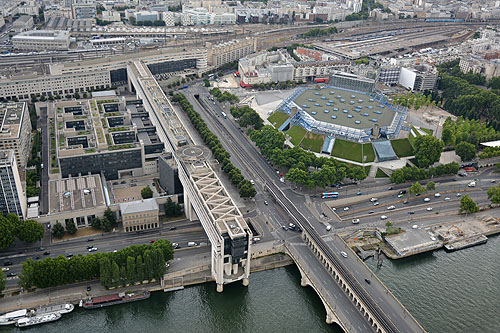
140	215
419	78
42	40
12	195
84	11
15	131
223	53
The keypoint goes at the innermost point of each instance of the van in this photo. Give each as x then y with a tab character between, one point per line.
191	244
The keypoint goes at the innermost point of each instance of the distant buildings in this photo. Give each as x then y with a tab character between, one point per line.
23	23
489	67
41	40
12	196
84	11
15	131
143	16
226	52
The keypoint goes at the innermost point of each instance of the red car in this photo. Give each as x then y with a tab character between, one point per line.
152	241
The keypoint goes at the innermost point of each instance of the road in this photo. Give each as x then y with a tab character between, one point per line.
108	242
265	177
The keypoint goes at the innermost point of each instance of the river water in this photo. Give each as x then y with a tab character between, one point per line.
446	292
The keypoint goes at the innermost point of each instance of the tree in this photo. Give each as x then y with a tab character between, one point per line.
96	223
416	188
106	224
247	190
139	266
58	230
30	231
146	192
427	150
115	274
110	216
158	264
431	186
123	276
494	83
6	233
131	270
468	205
2	281
466	151
148	265
494	194
70	227
105	273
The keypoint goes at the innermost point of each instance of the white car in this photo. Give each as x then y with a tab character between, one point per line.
447	199
256	239
5	269
437	195
373	199
93	249
346	208
458	194
414	226
376	203
343	254
383	217
400	195
429	209
355	221
391	208
427	199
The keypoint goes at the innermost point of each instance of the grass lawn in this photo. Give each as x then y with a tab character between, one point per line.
381	174
367	169
426	130
278	118
296	133
352	150
313	141
402	147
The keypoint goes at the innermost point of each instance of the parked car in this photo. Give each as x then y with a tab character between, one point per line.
11	274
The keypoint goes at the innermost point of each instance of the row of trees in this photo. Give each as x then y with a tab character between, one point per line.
305	168
106	224
135	269
224	96
465	130
51	272
246	188
415	173
416	188
246	116
12	226
490	152
275	85
317	32
415	100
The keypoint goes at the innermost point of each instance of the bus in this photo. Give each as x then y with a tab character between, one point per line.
223	115
328	195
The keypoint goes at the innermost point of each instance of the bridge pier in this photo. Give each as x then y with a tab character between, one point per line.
188	208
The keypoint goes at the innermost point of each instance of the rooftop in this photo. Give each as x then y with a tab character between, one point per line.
75	193
43	35
11	115
144	205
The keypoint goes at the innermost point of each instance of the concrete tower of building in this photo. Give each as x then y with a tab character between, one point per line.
12	196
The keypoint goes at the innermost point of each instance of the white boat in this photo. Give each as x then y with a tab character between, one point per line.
12	317
58	308
30	321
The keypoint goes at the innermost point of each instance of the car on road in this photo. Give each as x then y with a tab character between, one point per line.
447	199
191	244
11	274
472	184
284	227
256	239
391	208
346	208
389	188
405	202
414	226
93	249
376	203
266	203
328	227
172	228
371	212
492	181
368	281
7	263
402	192
89	247
428	209
343	254
252	182
373	199
114	251
46	253
458	194
383	217
411	212
41	249
89	288
5	269
152	241
437	195
417	195
175	245
69	255
90	240
427	199
400	195
359	193
355	221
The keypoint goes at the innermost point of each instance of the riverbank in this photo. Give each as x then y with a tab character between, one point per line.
183	273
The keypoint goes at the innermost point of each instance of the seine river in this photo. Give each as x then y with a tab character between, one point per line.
446	292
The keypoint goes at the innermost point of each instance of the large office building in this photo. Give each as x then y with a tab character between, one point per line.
12	196
15	131
84	11
105	136
419	78
41	40
352	82
143	16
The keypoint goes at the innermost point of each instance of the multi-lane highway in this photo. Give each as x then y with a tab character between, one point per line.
182	233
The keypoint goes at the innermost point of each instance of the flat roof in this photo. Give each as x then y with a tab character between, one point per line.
11	115
346	108
75	193
144	205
